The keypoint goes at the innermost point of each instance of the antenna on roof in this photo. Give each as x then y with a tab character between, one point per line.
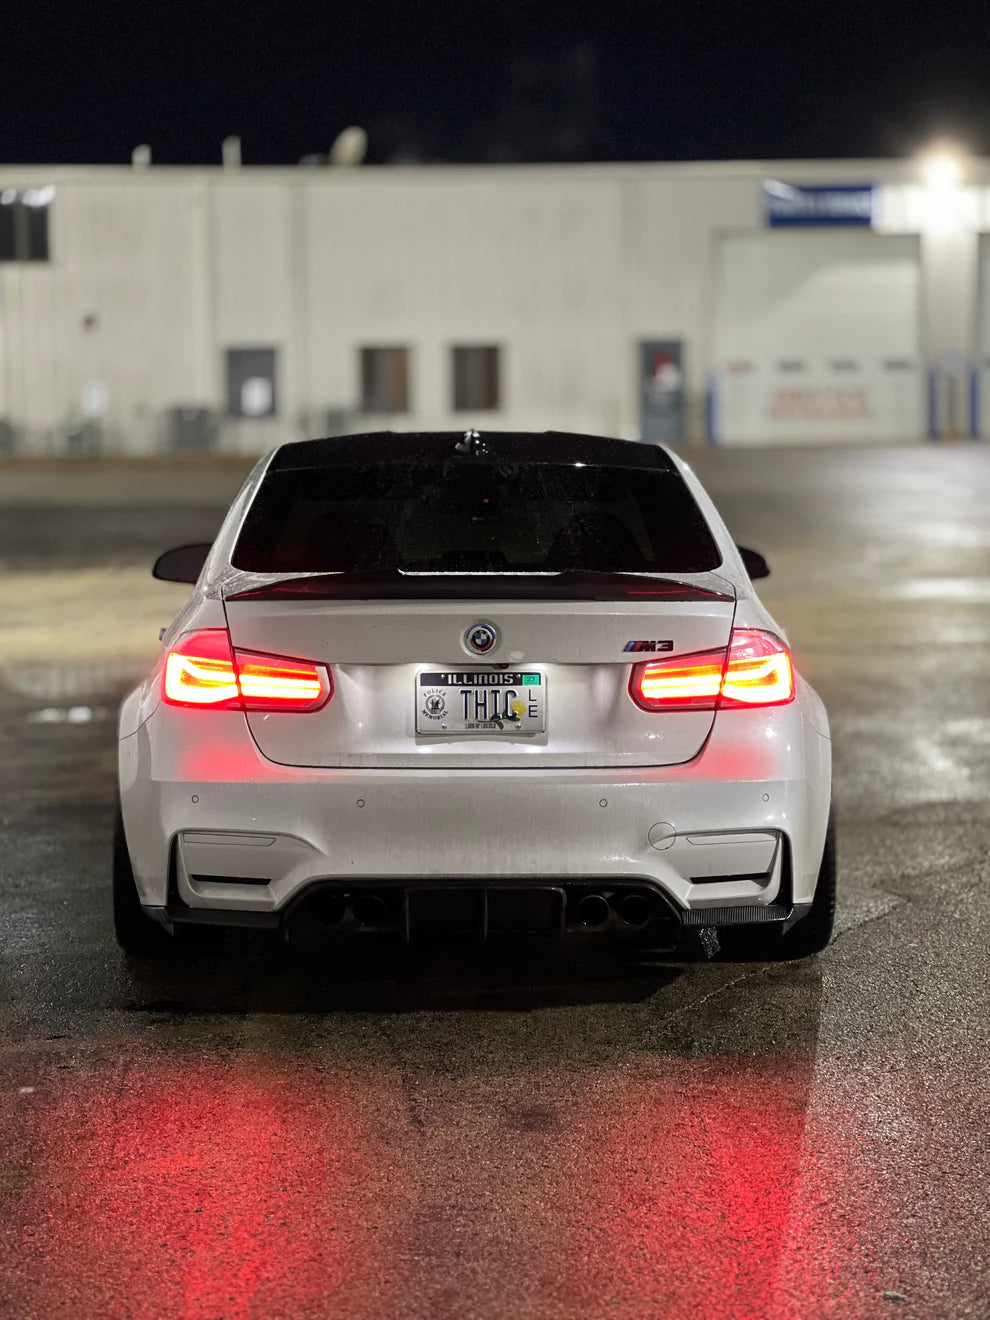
471	443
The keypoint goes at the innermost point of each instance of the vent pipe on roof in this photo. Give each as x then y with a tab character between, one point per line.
231	151
350	147
141	156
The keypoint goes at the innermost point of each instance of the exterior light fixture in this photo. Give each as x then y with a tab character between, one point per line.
942	167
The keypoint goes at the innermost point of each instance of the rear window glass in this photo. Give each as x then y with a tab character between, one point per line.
474	518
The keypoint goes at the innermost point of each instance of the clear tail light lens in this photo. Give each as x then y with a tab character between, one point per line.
754	671
205	670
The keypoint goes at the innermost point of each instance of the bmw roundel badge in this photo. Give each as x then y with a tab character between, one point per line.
481	638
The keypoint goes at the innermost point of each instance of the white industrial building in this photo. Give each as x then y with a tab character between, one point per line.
157	308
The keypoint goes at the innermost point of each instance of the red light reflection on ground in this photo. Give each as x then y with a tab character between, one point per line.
253	1186
194	1189
700	1208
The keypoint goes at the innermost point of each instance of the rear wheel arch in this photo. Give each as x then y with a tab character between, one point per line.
810	934
137	934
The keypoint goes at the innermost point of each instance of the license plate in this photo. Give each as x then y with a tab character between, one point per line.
512	702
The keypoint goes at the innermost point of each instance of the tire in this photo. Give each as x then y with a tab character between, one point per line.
809	935
813	932
137	934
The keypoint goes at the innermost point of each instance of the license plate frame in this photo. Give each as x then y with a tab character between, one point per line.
481	703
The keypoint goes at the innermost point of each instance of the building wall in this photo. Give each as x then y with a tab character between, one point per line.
156	273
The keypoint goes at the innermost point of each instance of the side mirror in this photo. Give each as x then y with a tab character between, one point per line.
754	563
183	564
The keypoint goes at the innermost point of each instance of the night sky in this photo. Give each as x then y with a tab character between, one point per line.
484	81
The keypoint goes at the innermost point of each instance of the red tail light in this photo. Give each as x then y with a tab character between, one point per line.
204	670
755	671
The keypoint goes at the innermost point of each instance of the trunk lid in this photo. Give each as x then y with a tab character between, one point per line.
572	634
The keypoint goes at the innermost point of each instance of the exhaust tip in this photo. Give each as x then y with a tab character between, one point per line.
368	909
307	925
327	909
593	910
635	909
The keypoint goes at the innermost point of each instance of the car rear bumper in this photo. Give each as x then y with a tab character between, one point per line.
231	837
633	914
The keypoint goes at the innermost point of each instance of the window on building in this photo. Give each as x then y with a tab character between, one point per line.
476	378
384	380
251	382
24	223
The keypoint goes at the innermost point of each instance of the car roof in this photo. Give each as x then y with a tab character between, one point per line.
474	446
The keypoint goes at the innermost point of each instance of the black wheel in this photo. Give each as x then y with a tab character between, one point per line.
136	933
809	935
812	933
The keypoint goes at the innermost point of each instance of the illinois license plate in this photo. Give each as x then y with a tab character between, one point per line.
504	701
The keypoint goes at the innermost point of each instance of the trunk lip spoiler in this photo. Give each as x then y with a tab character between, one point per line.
385	585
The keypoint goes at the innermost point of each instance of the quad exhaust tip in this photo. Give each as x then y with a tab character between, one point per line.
635	909
593	910
368	909
328	909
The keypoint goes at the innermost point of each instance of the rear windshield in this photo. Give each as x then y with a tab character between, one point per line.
474	518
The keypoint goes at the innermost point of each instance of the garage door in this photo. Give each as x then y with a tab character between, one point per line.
816	337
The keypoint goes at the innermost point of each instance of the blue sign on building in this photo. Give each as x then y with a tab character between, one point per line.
818	204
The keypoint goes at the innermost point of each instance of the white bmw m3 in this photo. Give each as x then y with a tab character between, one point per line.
474	685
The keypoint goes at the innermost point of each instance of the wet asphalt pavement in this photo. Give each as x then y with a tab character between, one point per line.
461	1135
